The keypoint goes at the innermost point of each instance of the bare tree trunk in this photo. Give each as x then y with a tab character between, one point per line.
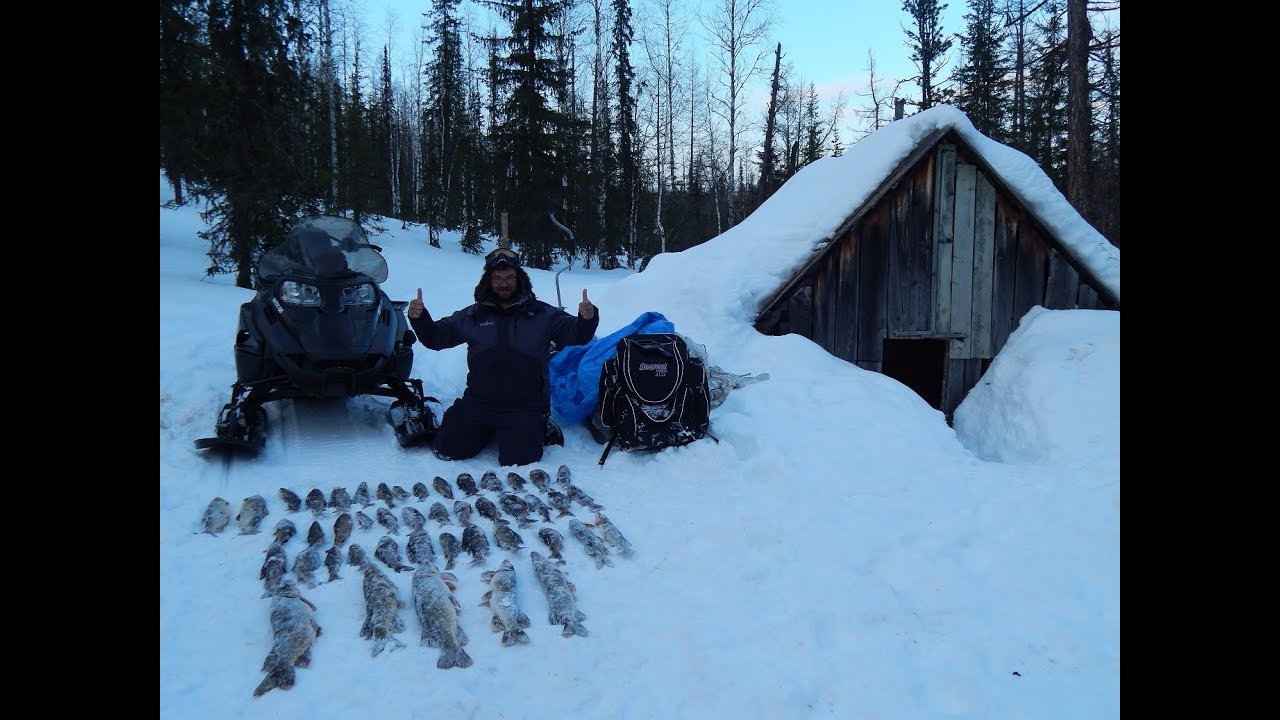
1078	131
326	39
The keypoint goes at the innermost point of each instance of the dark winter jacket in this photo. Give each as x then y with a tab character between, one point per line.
507	348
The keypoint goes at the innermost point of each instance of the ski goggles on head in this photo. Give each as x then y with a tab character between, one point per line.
501	257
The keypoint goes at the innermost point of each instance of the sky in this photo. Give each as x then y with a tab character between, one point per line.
840	552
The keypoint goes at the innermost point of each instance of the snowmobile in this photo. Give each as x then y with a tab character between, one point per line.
320	326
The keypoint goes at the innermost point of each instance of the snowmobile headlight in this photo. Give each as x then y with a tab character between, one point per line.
361	295
293	292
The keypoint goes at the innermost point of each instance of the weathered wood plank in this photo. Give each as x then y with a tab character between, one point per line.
920	304
944	215
953	386
847	296
821	308
899	256
1088	298
1006	246
1064	282
1032	269
800	312
873	261
984	230
962	261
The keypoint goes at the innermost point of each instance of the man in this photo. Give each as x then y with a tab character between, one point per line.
508	332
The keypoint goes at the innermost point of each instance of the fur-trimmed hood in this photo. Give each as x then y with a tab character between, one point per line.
524	288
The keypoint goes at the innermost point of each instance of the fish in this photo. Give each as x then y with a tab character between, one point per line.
412	517
315	534
486	508
315	501
501	600
591	544
539	478
507	539
537	506
516	481
476	544
389	552
293	631
388	521
362	495
420	491
463	511
291	500
418	547
561	603
613	535
364	521
400	493
356	556
252	510
449	547
438	513
333	559
338	498
274	566
467	484
437	610
560	502
381	610
341	529
216	516
383	493
575	493
489	481
305	565
563	475
516	508
553	540
285	530
442	486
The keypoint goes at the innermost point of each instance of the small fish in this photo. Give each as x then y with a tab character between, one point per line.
293	630
575	493
341	529
487	509
305	565
291	500
591	544
389	552
388	521
489	481
333	559
563	476
285	530
507	539
355	555
612	535
449	547
216	516
383	493
562	605
400	493
537	506
363	521
516	481
315	534
437	610
539	478
412	517
273	569
418	547
476	544
516	508
442	486
420	491
338	498
463	511
560	502
362	495
252	510
315	501
467	484
501	599
381	610
553	540
438	513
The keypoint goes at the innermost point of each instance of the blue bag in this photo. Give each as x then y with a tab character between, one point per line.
575	370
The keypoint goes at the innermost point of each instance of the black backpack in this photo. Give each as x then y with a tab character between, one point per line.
653	394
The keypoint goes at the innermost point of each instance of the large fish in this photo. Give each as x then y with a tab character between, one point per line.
501	599
342	529
356	555
420	491
381	610
383	493
412	517
389	552
216	516
476	544
575	493
315	501
252	510
400	493
486	508
437	610
612	535
388	521
449	547
467	484
539	478
285	529
560	502
339	499
507	539
563	476
442	486
274	567
561	603
489	481
554	540
463	511
591	543
362	495
538	506
332	560
418	547
363	521
516	481
438	513
306	564
291	500
516	508
315	534
293	630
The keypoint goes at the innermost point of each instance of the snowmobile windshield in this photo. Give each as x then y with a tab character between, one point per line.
324	246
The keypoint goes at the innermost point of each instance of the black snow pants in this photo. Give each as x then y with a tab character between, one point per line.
468	426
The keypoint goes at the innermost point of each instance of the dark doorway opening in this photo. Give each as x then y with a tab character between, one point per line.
918	364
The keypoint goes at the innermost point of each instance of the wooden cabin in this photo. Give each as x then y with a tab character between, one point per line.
926	279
